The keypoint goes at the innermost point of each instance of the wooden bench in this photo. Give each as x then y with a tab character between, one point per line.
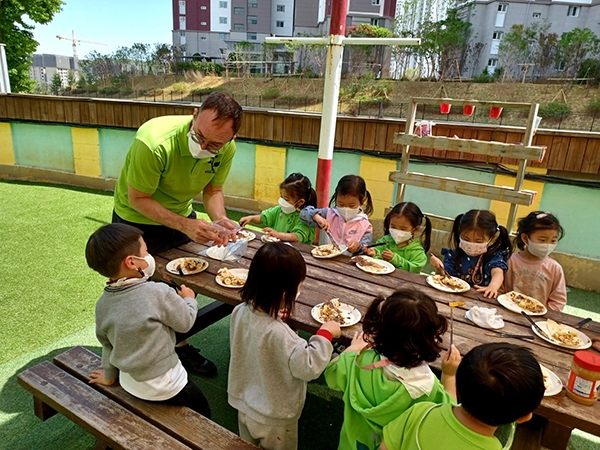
117	419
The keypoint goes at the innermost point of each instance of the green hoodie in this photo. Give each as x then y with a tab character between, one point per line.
371	399
411	257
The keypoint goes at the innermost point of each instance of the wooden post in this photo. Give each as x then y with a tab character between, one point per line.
520	177
408	129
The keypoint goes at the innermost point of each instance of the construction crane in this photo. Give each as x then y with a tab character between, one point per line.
75	41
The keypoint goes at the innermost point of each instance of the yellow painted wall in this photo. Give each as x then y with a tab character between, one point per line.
376	172
86	151
501	209
7	154
269	173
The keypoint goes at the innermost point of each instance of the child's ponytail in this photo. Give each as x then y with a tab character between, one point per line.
426	239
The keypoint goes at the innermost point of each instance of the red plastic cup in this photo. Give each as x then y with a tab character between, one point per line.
468	110
495	112
445	108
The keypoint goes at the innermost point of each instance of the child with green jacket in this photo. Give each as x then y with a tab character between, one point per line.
385	370
399	246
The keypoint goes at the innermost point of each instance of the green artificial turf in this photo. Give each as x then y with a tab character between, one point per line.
47	299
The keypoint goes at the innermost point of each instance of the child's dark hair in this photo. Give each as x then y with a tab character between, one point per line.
484	220
499	383
275	273
537	220
355	186
405	327
109	245
300	187
415	216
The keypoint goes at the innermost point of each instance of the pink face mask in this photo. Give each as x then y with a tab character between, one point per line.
473	248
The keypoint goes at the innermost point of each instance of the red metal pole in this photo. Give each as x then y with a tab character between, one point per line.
339	10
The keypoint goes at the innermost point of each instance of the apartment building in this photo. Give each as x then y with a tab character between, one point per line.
492	19
46	65
212	28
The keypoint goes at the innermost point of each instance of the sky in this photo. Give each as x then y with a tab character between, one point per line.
117	23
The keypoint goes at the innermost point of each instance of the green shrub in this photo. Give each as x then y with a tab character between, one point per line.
179	87
555	111
201	66
271	93
593	106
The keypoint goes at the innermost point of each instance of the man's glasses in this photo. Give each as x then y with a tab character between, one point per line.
199	139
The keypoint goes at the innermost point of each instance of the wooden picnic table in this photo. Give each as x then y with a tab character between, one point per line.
338	277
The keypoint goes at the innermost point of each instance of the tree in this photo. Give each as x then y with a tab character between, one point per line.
575	46
15	32
371	56
514	49
56	84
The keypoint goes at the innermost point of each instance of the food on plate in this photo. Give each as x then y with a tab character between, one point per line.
525	302
268	238
228	278
326	250
562	334
548	384
369	263
245	234
330	310
190	265
455	284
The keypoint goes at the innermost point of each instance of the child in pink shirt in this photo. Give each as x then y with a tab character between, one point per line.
531	271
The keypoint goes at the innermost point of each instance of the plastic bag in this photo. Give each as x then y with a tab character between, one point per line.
231	252
423	128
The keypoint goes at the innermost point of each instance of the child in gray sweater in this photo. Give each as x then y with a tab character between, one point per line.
270	364
136	321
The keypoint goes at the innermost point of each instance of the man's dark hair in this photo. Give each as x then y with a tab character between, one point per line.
226	108
275	273
110	245
499	383
405	327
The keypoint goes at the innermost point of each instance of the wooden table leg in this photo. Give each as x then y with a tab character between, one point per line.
556	436
529	434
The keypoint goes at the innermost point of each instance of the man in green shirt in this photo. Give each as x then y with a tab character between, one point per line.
171	160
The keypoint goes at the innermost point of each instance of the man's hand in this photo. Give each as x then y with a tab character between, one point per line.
333	327
97	377
322	222
200	230
185	292
387	254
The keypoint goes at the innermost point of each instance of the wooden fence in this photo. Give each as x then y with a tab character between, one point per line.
569	151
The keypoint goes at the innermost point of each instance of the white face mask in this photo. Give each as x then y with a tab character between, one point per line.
196	150
348	213
540	250
474	248
400	236
148	271
286	207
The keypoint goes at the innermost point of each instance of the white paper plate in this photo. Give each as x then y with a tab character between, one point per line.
342	249
245	234
241	273
351	314
172	266
216	252
266	238
586	342
556	383
504	301
441	287
389	267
